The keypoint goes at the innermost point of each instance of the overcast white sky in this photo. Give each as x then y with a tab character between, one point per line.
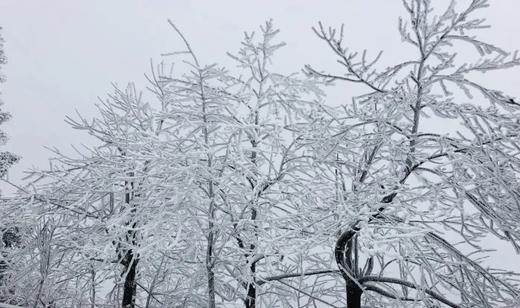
64	54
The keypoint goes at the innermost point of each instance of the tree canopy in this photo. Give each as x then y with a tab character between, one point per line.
247	187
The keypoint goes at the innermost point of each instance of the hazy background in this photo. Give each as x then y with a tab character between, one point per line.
63	55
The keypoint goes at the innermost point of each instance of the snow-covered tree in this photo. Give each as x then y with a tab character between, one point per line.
112	208
241	187
184	188
238	134
414	199
267	160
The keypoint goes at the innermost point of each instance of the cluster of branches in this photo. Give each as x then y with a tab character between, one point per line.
245	189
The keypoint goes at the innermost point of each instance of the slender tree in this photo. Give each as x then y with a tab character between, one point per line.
266	154
247	125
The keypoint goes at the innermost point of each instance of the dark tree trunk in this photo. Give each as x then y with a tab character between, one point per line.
251	290
126	256
354	293
211	288
130	287
251	296
345	254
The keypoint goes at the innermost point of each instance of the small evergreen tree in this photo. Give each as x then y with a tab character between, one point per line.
7	159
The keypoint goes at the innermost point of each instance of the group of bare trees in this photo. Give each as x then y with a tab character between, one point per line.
244	187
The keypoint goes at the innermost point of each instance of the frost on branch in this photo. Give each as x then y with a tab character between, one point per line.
413	199
241	187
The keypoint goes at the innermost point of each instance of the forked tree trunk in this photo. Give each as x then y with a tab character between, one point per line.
344	255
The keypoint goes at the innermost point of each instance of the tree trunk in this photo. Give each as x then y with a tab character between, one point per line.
353	294
346	258
211	288
251	290
126	256
251	296
130	287
210	263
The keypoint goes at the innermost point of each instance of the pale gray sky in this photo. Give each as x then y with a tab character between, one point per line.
64	54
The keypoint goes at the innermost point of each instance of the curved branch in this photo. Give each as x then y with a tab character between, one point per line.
308	294
188	46
385	293
408	284
262	281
